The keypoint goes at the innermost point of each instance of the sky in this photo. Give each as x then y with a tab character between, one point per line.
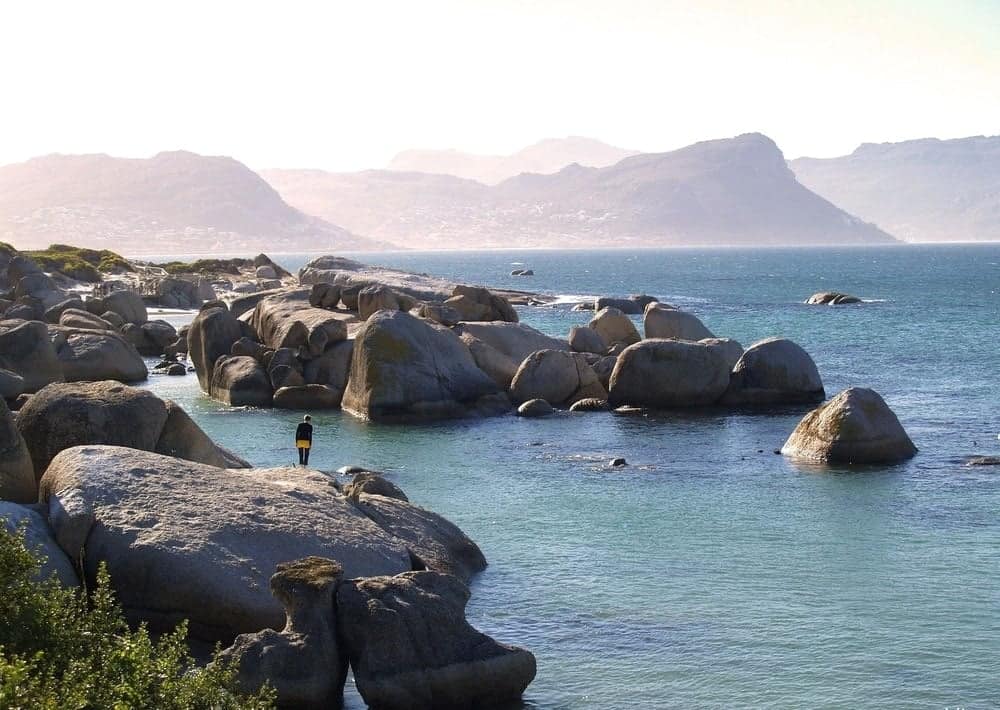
346	85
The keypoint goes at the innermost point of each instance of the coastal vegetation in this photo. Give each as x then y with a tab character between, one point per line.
206	266
79	263
60	648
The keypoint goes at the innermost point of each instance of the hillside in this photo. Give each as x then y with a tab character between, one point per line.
735	191
545	157
921	190
176	202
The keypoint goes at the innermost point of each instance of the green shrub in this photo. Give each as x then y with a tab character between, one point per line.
206	266
61	649
79	263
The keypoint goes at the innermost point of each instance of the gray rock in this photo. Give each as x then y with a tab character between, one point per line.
266	272
52	314
241	382
91	355
113	319
583	339
186	540
774	371
497	308
515	340
183	439
302	662
307	397
614	327
556	376
324	295
730	348
331	368
589	404
535	408
633	305
210	336
603	369
371	483
11	385
440	313
79	318
128	305
664	321
669	373
285	376
248	347
491	361
286	320
404	367
26	308
832	298
983	461
411	647
17	474
39	539
855	427
375	298
246	304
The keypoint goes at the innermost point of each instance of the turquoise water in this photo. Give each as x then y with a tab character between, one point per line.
711	572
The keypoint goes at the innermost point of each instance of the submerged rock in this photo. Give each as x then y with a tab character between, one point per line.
856	426
411	647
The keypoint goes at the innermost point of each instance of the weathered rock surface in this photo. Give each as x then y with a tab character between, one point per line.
211	335
39	539
241	382
633	305
151	338
668	374
377	298
535	408
411	647
732	350
286	320
11	385
302	662
515	340
17	474
372	483
856	426
404	367
307	397
497	307
491	361
556	376
183	439
661	321
774	371
186	540
614	327
589	404
584	339
324	295
90	355
79	318
331	368
27	351
128	305
832	298
53	314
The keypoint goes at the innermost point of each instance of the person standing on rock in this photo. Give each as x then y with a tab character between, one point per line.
304	439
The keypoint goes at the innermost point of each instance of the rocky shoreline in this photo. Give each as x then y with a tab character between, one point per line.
304	574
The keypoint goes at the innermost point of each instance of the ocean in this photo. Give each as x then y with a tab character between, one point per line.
711	572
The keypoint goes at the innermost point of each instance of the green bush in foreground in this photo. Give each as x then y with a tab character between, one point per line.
59	649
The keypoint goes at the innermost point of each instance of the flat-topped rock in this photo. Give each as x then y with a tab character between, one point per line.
856	426
287	320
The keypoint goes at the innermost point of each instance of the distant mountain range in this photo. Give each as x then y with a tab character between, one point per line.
736	191
545	157
172	203
921	190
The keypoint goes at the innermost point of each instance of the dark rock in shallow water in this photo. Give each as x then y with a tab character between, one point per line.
535	408
411	647
590	404
832	298
983	461
618	462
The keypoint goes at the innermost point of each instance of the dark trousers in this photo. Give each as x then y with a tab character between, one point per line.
304	457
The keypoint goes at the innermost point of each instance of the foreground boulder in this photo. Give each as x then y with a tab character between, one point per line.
39	539
557	376
856	426
404	367
27	351
90	355
411	647
17	474
832	298
774	371
669	373
186	540
62	416
302	662
663	321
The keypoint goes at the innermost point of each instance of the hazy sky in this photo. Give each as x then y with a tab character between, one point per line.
345	85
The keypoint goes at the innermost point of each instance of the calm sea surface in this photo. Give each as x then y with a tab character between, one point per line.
710	572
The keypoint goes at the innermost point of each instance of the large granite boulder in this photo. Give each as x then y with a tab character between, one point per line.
17	474
377	298
855	427
774	371
11	385
557	376
515	340
27	351
65	415
210	336
90	355
633	305
434	542
584	339
307	397
331	368
324	295
53	314
614	327
188	541
128	304
669	373
176	292
245	304
39	539
151	338
663	321
732	349
241	382
411	647
302	662
491	361
286	320
80	318
404	367
479	304
40	286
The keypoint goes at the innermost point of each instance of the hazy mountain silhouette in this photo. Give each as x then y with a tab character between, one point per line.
736	191
545	157
171	203
920	190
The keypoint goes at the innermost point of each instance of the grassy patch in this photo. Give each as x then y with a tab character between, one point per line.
206	266
79	263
